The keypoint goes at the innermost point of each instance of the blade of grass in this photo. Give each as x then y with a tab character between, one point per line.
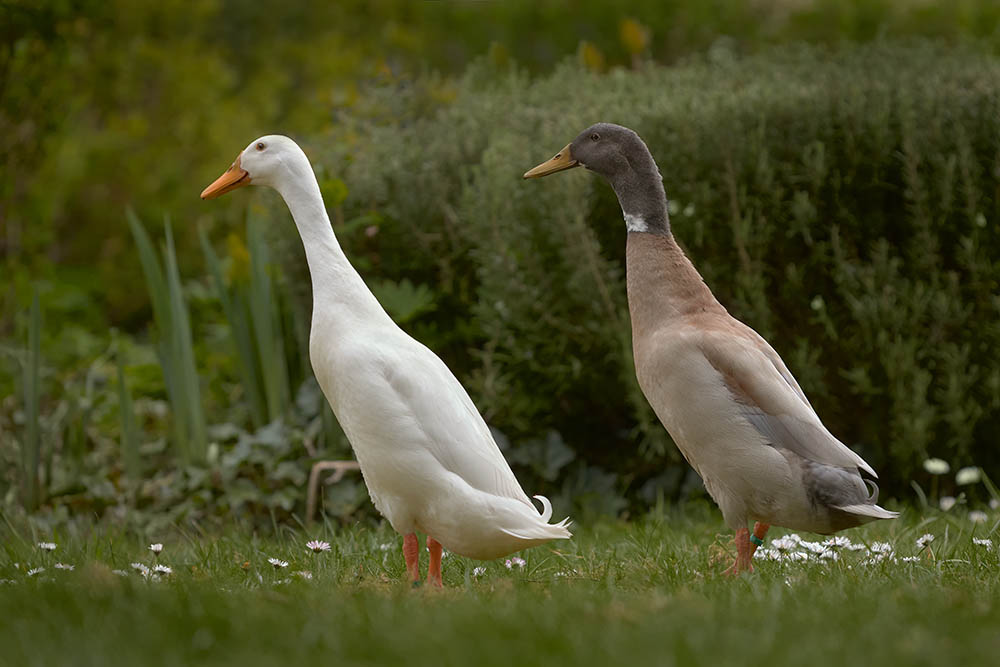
31	444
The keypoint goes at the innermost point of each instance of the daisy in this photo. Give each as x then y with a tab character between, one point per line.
47	546
911	559
924	540
936	466
510	563
785	543
946	503
766	553
796	556
814	547
975	516
277	563
64	566
478	571
156	548
983	542
837	542
318	546
829	554
882	548
35	570
968	475
162	569
141	569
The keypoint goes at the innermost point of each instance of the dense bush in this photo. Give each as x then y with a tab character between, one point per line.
843	204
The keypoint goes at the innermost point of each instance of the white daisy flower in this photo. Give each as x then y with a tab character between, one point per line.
305	574
814	547
277	563
317	545
968	475
35	570
946	503
882	548
64	566
975	516
47	546
911	559
924	540
767	553
937	466
156	548
853	546
478	571
515	561
983	542
162	569
837	542
829	554
785	543
796	556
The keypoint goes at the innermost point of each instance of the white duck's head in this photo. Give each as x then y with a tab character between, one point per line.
270	160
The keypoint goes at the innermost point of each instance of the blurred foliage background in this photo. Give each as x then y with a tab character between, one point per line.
833	169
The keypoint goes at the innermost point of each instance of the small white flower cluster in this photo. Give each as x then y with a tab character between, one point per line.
152	574
516	561
277	563
924	540
47	546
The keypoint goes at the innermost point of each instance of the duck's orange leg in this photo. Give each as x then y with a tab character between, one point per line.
411	554
743	553
434	569
759	531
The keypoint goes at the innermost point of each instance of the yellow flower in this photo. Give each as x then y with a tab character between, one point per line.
590	56
634	36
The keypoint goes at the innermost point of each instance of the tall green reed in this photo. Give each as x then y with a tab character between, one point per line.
31	444
251	303
174	347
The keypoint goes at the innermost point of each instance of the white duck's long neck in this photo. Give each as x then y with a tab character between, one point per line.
340	296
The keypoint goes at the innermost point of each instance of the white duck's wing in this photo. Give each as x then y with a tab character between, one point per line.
770	399
448	423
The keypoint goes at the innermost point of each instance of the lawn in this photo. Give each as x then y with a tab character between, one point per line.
650	590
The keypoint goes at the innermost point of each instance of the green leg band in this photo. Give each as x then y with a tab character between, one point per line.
756	540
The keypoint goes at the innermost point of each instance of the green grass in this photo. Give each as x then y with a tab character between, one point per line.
646	592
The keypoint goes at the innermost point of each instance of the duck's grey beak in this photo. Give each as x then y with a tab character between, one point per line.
234	177
562	160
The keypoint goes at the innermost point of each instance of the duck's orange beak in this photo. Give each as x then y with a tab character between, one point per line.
562	160
235	177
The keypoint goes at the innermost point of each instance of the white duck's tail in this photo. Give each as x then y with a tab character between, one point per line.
868	513
536	527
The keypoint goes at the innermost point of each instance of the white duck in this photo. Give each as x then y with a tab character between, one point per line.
427	456
724	395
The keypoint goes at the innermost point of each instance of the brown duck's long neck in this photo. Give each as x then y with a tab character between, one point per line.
662	282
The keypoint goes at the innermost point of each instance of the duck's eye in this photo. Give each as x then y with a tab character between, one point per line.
595	137
260	146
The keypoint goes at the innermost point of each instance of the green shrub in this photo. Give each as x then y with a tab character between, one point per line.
841	203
